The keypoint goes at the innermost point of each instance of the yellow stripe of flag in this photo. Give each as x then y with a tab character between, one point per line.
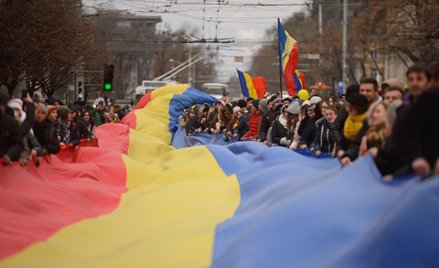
168	216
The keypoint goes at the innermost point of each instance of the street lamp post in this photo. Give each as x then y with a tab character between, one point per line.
345	44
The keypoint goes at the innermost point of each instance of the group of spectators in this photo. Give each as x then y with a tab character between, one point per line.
31	129
396	124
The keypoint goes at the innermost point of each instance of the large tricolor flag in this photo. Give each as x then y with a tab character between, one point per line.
288	57
139	200
253	87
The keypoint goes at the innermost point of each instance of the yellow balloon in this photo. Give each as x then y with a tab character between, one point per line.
303	94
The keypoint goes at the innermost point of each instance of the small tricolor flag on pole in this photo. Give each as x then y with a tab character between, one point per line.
252	87
299	81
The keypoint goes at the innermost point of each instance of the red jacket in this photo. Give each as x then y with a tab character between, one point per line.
253	125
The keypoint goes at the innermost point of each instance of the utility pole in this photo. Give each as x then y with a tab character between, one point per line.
345	43
320	30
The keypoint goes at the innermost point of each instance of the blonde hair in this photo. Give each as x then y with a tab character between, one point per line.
372	109
376	134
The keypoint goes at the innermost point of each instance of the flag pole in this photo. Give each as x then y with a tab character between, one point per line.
280	58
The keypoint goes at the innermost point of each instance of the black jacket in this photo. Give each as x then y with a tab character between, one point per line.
82	128
242	125
273	114
352	148
325	137
10	133
46	136
389	160
307	130
264	125
278	131
70	134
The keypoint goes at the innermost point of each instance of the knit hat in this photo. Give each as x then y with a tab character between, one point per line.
359	101
42	107
305	103
17	104
294	108
272	98
392	83
63	112
256	104
236	109
287	99
315	99
354	88
263	104
50	108
53	99
276	100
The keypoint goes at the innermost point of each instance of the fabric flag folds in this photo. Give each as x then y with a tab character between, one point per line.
252	87
299	81
139	200
288	57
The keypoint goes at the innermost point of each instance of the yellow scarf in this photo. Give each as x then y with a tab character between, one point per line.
352	125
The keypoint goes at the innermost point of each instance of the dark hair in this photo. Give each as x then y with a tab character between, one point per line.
242	103
419	68
370	80
90	118
250	99
332	108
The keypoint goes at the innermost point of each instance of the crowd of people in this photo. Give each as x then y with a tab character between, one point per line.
30	129
395	124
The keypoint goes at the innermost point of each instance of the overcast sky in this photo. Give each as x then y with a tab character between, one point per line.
246	24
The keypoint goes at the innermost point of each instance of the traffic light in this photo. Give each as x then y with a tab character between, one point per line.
80	87
108	77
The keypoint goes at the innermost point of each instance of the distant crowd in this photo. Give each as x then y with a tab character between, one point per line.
30	129
396	124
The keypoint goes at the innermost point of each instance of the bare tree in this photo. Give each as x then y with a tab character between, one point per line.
43	42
